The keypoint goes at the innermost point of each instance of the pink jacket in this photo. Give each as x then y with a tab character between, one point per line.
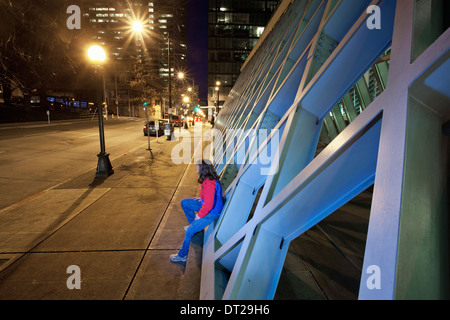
207	193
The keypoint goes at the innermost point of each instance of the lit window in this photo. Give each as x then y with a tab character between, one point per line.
259	31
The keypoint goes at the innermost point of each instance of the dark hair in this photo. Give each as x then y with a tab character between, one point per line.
206	171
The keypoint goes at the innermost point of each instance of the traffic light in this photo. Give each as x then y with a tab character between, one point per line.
196	108
145	103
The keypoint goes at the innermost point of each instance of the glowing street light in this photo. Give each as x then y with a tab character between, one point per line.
96	54
217	107
137	26
104	167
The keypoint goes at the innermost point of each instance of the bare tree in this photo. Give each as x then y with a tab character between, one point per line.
142	83
32	54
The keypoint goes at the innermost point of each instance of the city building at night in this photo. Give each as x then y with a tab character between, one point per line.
136	36
329	133
234	29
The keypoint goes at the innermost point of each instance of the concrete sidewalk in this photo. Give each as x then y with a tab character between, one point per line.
118	231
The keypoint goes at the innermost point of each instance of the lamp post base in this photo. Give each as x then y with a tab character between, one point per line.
104	167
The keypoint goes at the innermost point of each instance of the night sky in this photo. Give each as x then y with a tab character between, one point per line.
197	42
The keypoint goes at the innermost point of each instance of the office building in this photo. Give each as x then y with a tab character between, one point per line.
234	27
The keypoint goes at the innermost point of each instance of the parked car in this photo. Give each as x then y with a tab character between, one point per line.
149	127
175	120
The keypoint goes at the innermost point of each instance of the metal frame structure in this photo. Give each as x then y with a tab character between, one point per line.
376	96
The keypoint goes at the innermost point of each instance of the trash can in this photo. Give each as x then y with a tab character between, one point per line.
168	130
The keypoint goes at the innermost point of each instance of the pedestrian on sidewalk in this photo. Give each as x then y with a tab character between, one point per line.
200	212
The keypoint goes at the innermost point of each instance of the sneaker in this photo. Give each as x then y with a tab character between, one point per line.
177	258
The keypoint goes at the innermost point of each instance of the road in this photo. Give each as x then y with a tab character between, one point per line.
38	156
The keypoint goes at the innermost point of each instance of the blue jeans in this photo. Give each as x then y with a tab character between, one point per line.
190	207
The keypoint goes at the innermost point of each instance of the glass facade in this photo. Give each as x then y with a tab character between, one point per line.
353	123
170	20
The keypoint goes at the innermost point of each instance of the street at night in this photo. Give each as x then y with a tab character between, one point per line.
37	156
118	230
224	150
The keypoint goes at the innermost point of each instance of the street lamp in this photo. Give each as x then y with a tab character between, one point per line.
96	54
104	167
190	95
216	105
170	79
137	26
218	93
